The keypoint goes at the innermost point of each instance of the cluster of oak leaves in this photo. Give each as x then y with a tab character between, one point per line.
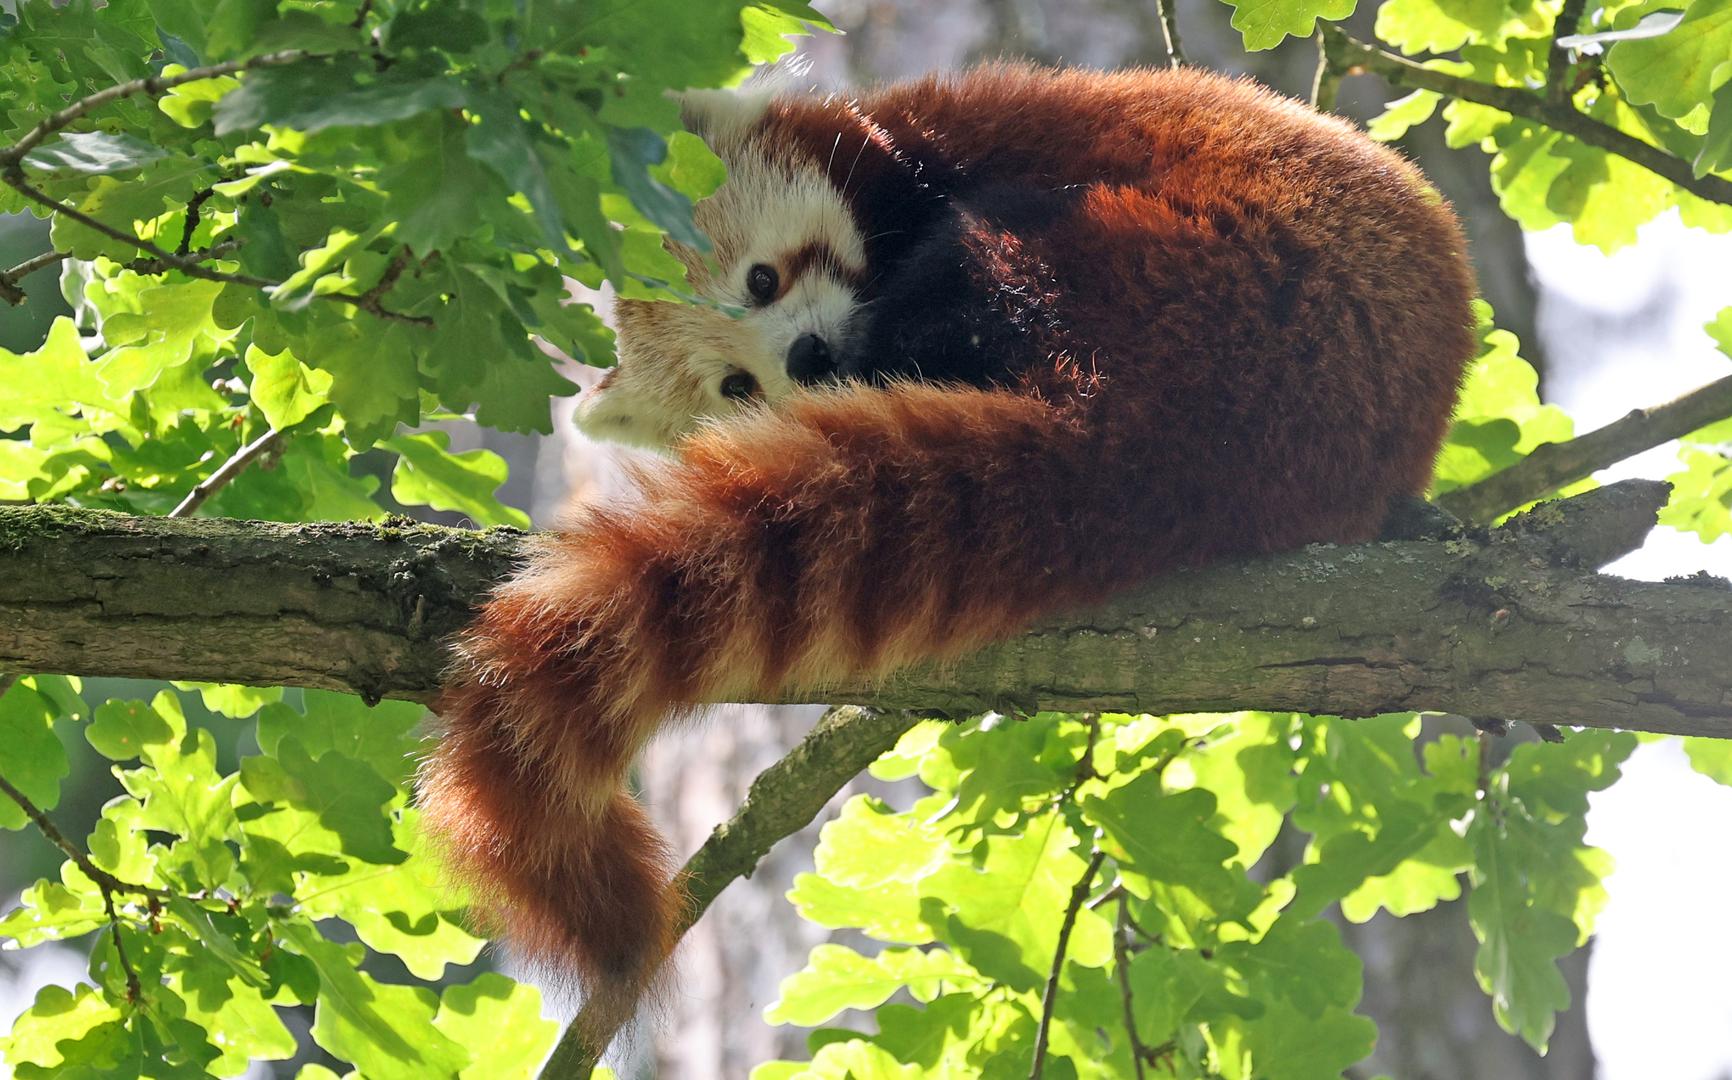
451	162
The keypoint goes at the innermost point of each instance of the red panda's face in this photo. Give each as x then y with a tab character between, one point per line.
785	275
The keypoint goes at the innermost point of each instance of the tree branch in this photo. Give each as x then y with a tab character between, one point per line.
1049	998
233	467
188	264
1558	60
10	290
1347	55
1506	626
784	799
1168	12
14	154
1552	465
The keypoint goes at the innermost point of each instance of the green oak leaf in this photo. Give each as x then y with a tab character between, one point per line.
1716	152
32	758
1674	71
504	142
314	95
234	702
284	389
1265	23
1403	114
1720	329
936	1037
1501	392
1286	1044
58	1018
122	730
1001	912
216	999
407	909
183	794
836	978
347	797
869	844
1300	961
502	1016
386	1031
1168	836
49	911
1711	757
1439	26
385	735
1520	943
886	912
634	152
56	377
1701	500
429	474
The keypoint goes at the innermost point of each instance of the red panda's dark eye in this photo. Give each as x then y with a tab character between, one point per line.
762	282
739	386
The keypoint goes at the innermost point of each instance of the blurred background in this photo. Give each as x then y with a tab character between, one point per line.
1652	992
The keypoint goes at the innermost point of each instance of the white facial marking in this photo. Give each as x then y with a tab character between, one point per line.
676	360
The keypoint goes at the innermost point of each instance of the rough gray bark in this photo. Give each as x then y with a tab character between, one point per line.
1510	625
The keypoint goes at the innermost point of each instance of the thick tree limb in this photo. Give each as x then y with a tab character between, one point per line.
1553	465
1509	626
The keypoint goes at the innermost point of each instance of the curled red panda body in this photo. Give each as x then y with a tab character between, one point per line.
1013	340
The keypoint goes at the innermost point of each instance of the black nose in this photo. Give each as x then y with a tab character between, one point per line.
810	359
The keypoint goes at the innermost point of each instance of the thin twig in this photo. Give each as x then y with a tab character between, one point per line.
187	264
1348	55
1078	893
1558	61
1085	766
133	989
149	266
1326	81
1553	465
1122	963
231	468
104	879
190	224
1167	10
10	290
12	155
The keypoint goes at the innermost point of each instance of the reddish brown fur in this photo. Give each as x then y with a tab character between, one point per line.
1253	322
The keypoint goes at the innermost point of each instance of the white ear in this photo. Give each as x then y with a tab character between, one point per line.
722	115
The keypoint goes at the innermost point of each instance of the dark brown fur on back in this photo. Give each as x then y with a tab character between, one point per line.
1240	328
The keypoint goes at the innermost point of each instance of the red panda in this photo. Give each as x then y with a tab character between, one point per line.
1012	340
